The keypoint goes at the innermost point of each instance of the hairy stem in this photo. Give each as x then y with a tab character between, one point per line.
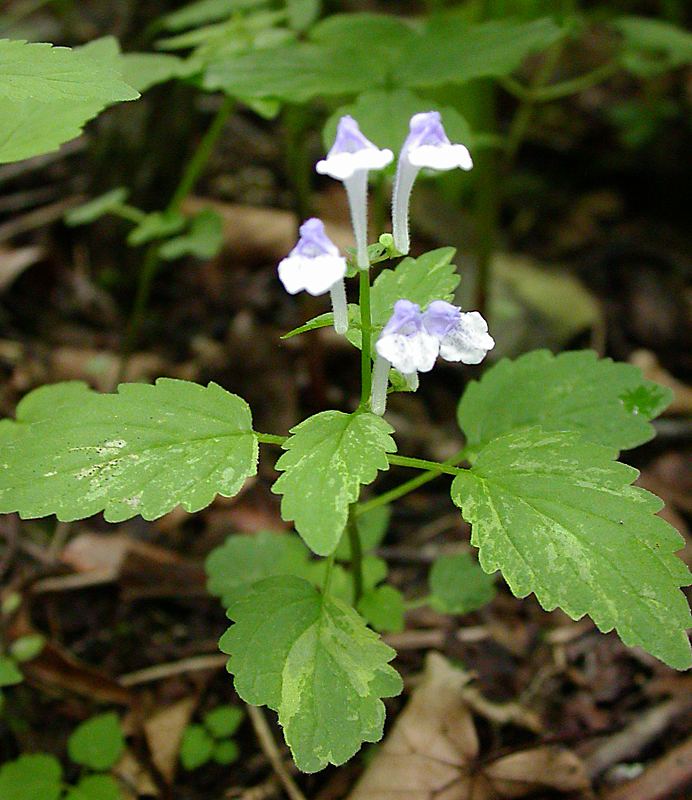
356	553
366	330
421	463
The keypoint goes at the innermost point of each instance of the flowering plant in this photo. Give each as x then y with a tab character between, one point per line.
549	506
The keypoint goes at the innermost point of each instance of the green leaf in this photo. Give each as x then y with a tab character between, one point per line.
606	402
223	721
10	675
372	528
383	608
157	225
243	560
142	451
385	34
459	53
97	743
458	585
296	72
328	457
559	519
384	117
302	13
27	648
49	93
204	11
97	208
31	777
95	787
144	70
226	753
203	240
653	46
312	659
196	748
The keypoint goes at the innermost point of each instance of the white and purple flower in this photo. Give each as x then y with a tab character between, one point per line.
427	145
411	341
316	266
350	159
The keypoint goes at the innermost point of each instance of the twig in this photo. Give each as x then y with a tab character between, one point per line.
271	751
160	671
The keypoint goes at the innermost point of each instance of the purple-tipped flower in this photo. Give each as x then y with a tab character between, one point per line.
427	145
463	335
411	341
316	266
350	159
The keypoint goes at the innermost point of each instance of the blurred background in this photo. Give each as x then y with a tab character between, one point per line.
148	246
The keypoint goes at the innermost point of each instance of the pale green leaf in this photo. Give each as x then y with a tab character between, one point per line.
372	528
157	225
383	608
97	208
296	72
226	753
203	240
31	777
202	12
459	53
49	93
10	674
95	787
97	743
197	747
313	660
144	70
223	721
607	403
242	560
142	451
26	648
329	456
458	585
384	118
302	13
653	46
387	35
559	518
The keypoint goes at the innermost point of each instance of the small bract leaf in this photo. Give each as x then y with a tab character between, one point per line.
458	585
559	518
203	240
157	225
606	402
312	659
329	456
653	46
383	608
10	675
142	451
97	208
95	787
197	747
31	777
223	721
27	648
226	753
97	743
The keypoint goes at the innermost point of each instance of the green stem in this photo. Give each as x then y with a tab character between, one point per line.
421	463
408	486
564	88
298	165
366	332
419	602
270	438
328	575
356	553
130	213
151	261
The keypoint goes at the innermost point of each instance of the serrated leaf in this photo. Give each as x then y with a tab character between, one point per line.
607	403
312	659
223	721
31	777
49	93
383	608
95	787
196	748
384	117
372	528
142	451
559	518
97	208
10	675
296	72
203	240
243	560
459	53
327	459
653	46
458	585
97	743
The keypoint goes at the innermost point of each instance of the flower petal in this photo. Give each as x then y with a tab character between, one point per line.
469	342
413	353
344	165
440	157
315	275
